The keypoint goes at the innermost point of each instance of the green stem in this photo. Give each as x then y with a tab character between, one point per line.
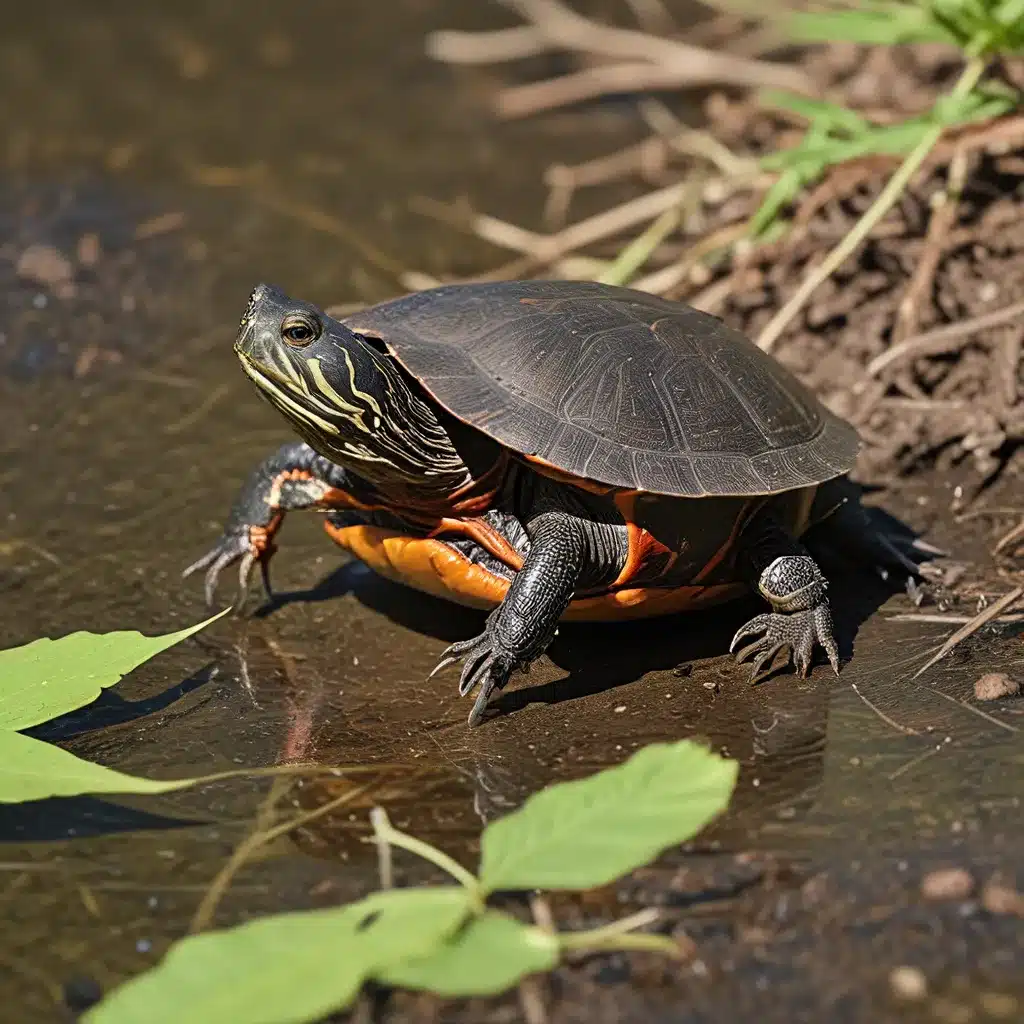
260	837
619	936
623	944
293	768
639	251
878	209
385	832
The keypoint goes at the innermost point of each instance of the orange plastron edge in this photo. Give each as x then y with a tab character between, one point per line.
435	568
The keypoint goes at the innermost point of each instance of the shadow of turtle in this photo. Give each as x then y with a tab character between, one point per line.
602	656
411	609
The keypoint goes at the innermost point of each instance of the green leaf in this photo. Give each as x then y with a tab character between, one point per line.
785	189
1010	14
490	955
884	24
47	678
33	770
289	968
582	834
831	115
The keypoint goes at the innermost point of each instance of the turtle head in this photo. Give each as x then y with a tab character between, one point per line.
345	395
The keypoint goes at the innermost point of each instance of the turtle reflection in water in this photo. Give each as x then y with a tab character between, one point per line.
551	450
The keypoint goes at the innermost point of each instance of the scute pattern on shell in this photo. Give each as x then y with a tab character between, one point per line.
615	386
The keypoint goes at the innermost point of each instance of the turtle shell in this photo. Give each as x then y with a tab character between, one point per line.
614	386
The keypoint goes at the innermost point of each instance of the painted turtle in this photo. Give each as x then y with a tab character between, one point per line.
550	450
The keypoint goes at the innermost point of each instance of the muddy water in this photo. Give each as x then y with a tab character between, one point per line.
176	157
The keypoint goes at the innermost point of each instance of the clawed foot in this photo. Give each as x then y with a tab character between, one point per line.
797	631
247	545
487	665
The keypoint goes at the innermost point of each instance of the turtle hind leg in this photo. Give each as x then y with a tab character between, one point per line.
786	576
849	528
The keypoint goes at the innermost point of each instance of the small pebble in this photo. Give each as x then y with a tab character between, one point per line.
993	685
45	265
908	983
82	993
947	884
143	946
1002	899
620	709
88	249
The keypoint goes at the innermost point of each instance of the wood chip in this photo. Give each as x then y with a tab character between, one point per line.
161	225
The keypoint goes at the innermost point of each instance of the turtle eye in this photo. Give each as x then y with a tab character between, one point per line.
300	329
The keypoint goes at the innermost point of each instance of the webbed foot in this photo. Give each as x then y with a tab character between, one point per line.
486	664
798	631
247	545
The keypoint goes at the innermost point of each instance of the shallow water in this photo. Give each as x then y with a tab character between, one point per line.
284	145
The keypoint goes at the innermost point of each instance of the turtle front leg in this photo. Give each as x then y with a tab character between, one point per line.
293	478
789	579
519	630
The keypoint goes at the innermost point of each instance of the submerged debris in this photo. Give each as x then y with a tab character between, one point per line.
998	898
908	983
44	265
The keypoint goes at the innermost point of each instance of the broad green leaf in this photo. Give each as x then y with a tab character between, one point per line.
1010	14
582	834
47	678
33	770
490	955
290	968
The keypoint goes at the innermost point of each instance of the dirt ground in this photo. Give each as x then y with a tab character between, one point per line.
955	396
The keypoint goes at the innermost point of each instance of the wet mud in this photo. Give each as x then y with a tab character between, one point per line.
285	148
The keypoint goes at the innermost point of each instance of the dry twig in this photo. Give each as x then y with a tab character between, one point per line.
942	339
631	60
944	212
972	627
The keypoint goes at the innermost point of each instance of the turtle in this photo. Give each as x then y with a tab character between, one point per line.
548	451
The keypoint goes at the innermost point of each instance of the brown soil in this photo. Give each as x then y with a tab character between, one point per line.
931	263
917	338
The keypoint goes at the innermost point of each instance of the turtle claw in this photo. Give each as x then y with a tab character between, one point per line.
265	577
485	666
455	652
235	546
797	631
918	544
